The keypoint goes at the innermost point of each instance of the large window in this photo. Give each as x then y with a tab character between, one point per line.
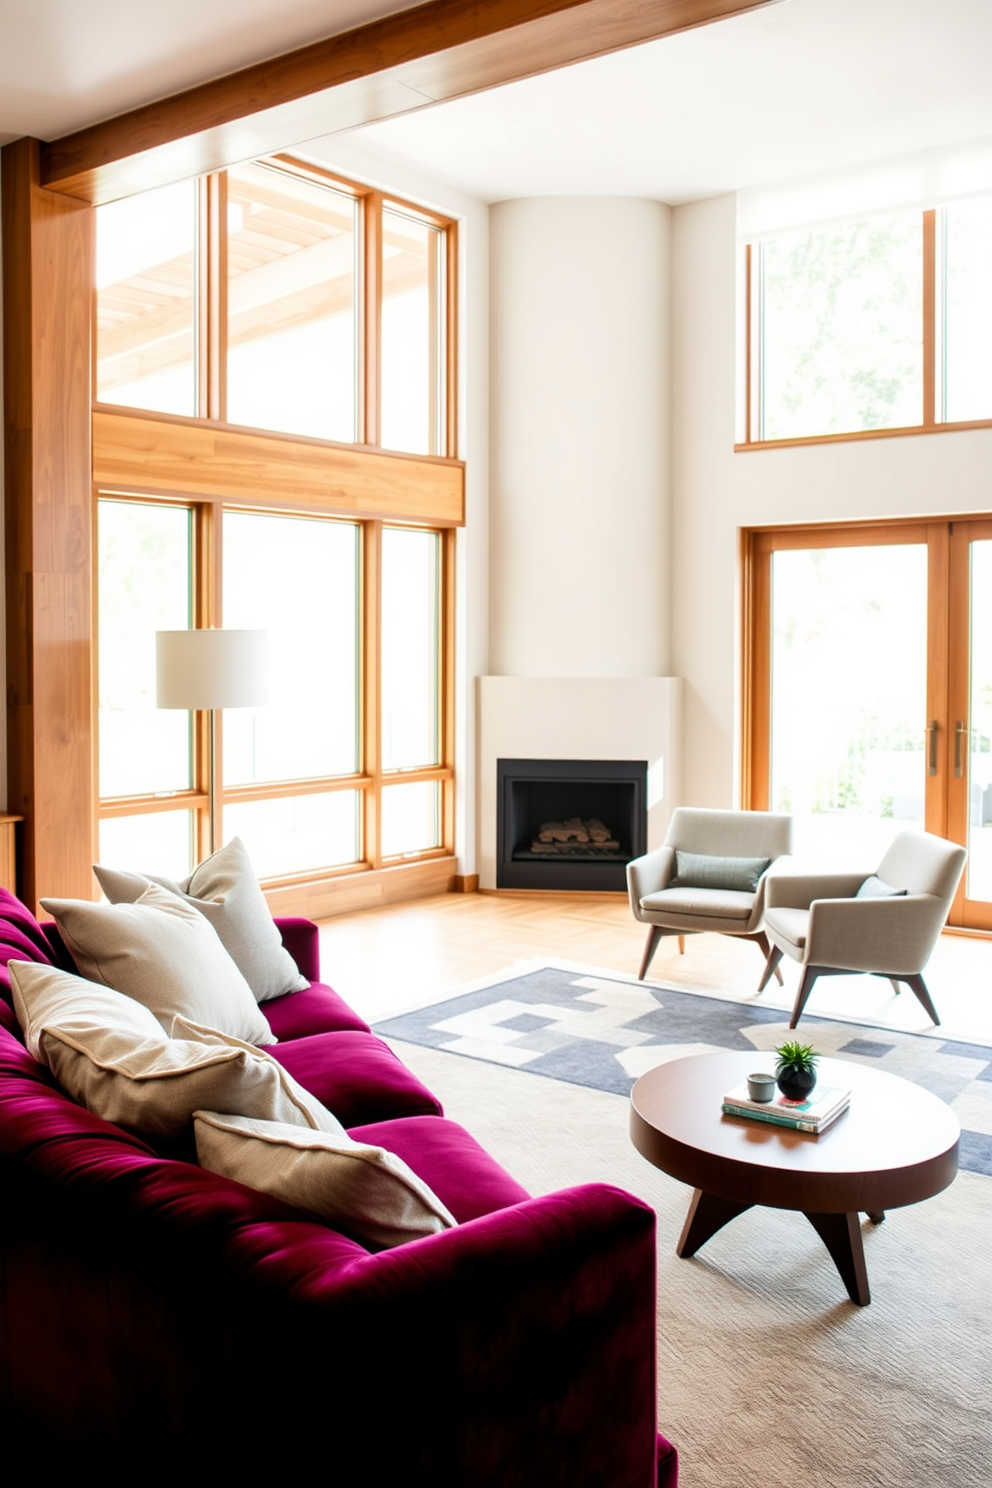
295	310
866	327
279	297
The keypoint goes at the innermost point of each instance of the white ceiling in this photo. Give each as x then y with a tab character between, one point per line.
802	86
65	64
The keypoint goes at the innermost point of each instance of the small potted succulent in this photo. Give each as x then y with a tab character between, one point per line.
796	1070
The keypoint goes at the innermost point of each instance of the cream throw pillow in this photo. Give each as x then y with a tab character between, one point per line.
109	1053
163	953
226	892
369	1192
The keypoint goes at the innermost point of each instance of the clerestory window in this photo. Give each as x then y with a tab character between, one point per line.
867	327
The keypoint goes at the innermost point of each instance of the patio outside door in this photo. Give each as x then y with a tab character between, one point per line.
870	690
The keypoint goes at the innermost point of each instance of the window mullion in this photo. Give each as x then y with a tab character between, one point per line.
371	643
450	348
929	317
370	431
446	685
206	597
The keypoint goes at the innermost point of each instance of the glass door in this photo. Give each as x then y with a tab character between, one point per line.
969	816
868	690
848	694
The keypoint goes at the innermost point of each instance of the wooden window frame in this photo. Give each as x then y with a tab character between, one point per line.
211	467
932	390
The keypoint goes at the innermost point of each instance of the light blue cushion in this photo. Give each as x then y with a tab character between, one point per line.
876	888
700	871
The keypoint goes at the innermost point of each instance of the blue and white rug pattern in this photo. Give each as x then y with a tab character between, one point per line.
589	1029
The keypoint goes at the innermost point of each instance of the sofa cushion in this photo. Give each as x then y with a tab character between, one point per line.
317	1010
356	1076
226	892
703	871
360	1188
444	1155
163	953
109	1053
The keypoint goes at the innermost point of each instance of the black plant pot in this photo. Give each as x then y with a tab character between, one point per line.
795	1085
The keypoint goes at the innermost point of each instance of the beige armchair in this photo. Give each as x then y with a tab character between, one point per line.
709	889
817	920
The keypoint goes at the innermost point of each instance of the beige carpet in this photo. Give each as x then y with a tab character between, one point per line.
768	1376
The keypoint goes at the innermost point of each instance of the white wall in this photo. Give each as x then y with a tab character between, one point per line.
580	566
716	492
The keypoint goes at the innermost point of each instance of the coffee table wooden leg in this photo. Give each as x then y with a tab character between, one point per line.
841	1234
707	1214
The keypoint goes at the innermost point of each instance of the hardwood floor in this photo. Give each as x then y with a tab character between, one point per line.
386	961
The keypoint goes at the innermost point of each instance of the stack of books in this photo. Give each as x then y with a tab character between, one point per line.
815	1114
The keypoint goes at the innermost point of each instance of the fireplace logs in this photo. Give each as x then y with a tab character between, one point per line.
574	836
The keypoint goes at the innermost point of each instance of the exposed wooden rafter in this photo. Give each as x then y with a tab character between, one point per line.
438	51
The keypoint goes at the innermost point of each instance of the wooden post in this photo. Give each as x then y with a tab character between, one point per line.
47	291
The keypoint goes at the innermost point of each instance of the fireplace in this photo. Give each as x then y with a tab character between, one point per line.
594	816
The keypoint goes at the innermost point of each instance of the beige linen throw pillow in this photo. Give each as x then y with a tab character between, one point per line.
110	1053
225	890
163	953
369	1192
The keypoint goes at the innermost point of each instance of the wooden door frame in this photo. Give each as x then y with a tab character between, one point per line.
947	660
971	914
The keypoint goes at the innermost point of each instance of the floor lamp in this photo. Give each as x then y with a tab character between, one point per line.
208	670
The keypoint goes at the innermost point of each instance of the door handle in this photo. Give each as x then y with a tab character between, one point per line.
932	737
959	731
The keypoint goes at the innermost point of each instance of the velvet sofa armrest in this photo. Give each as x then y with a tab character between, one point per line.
302	940
530	1331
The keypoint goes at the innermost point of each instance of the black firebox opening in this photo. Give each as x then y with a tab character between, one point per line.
534	793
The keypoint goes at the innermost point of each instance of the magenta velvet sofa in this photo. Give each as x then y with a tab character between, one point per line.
162	1316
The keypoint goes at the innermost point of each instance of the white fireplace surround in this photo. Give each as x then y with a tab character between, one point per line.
580	718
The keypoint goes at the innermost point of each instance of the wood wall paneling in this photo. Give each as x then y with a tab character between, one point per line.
48	271
441	50
172	456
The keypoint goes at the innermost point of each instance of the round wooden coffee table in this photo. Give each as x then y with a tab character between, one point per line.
896	1145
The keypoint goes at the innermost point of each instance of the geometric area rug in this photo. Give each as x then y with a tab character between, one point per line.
597	1031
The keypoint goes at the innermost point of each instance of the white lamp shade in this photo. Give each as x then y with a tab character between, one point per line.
211	668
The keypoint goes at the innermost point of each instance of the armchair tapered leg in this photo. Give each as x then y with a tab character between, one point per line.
771	968
895	986
919	986
654	935
809	976
681	945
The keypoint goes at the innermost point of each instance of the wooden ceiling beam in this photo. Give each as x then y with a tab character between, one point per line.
438	51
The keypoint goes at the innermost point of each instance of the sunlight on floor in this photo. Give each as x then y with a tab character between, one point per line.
387	961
